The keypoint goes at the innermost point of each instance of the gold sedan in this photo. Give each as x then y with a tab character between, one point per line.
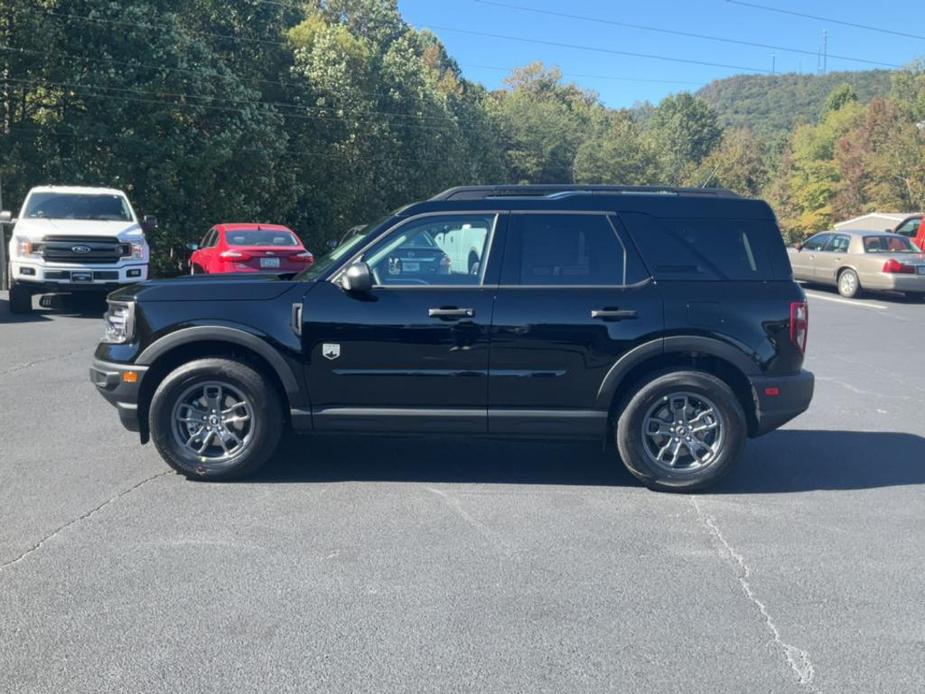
854	261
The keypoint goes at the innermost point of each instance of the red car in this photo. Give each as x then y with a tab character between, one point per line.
913	227
250	248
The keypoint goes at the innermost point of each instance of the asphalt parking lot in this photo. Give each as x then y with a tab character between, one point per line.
388	565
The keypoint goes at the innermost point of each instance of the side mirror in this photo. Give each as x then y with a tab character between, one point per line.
357	279
148	224
193	246
798	246
6	217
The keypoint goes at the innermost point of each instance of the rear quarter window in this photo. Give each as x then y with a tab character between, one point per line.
709	249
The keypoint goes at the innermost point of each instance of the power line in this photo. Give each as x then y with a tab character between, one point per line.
587	76
805	15
673	32
596	49
452	29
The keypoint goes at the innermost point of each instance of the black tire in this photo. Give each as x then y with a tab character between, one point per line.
20	299
915	297
265	424
652	394
849	285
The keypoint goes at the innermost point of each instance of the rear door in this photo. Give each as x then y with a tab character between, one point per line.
411	354
830	258
573	299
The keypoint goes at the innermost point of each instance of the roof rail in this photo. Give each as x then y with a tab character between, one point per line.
551	189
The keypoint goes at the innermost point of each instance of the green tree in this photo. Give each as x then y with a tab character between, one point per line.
683	130
616	153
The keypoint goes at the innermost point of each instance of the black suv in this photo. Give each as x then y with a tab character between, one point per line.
664	318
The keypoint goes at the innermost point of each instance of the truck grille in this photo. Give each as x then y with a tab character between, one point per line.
83	249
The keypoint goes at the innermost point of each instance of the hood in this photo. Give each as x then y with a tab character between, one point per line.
35	229
247	286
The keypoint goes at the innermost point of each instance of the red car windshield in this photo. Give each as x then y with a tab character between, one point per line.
261	238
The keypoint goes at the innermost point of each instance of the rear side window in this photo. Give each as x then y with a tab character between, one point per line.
563	249
709	249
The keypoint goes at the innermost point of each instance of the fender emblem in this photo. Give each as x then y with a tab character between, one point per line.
330	351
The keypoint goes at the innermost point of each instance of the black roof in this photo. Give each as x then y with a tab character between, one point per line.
677	203
563	189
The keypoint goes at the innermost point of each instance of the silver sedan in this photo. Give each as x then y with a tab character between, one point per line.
854	261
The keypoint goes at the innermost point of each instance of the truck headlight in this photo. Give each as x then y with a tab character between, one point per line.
138	250
24	247
120	322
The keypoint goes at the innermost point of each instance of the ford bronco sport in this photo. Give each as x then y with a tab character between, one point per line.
666	320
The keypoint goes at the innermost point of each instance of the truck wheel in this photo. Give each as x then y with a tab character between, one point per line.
216	419
20	299
681	431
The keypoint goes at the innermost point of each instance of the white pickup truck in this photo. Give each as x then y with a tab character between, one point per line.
69	239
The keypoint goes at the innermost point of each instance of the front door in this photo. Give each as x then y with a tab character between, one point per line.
803	261
574	297
411	354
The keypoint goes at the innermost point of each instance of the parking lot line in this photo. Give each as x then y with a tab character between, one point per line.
849	302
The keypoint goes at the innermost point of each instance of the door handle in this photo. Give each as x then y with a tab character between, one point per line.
451	312
613	314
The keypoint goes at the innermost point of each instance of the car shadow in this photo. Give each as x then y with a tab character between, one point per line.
888	297
72	306
782	462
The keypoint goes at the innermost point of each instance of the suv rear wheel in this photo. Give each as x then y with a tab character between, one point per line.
215	419
681	431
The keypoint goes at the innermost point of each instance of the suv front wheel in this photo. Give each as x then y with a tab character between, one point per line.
215	419
681	431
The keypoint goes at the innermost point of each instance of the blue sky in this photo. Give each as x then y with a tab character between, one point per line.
619	78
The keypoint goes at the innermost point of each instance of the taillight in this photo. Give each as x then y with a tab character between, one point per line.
304	257
231	255
799	324
893	266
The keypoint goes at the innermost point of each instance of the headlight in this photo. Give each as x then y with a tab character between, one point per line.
24	246
138	250
120	322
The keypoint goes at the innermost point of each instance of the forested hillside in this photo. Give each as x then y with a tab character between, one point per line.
324	114
772	105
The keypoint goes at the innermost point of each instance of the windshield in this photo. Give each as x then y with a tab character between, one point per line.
889	244
110	208
353	239
261	238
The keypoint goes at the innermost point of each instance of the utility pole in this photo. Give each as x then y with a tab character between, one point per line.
773	62
4	280
825	51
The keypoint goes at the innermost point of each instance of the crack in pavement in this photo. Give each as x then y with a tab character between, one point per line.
30	364
798	659
83	516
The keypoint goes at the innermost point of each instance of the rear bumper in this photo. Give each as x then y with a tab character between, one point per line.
794	394
895	282
109	379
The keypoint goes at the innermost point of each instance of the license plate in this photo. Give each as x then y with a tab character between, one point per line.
81	277
269	262
410	267
921	269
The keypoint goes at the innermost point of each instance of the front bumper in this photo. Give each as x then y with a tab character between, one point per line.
40	276
792	398
110	380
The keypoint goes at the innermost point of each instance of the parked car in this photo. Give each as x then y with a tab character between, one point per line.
854	261
70	239
913	227
250	248
664	320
